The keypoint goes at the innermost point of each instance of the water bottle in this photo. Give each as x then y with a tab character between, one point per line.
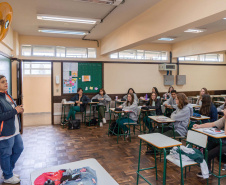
146	97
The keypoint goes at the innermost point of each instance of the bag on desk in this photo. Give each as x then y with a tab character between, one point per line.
144	108
74	124
95	100
118	109
196	115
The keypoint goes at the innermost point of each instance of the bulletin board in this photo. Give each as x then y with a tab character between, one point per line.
88	76
5	69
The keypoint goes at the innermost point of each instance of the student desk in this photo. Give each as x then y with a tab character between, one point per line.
103	177
195	106
142	100
158	141
193	98
119	101
145	113
112	110
200	118
220	137
162	120
64	104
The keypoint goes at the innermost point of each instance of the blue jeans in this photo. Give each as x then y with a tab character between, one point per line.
121	122
10	150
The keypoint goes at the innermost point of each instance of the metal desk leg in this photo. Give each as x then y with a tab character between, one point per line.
219	179
139	162
165	165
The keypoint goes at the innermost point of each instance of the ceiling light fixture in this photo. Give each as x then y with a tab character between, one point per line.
195	30
67	32
166	39
106	2
224	18
67	19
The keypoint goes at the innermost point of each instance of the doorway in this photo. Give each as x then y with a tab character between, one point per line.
36	90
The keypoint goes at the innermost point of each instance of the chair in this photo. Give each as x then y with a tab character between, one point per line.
134	124
193	138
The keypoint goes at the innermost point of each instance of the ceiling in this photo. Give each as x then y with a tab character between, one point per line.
25	15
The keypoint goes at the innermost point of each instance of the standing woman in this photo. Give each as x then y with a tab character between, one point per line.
154	103
103	99
80	102
202	92
11	144
131	91
129	105
208	109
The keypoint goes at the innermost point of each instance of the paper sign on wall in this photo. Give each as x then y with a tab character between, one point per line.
86	78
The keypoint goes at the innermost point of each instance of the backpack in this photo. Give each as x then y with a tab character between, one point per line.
114	129
92	122
74	124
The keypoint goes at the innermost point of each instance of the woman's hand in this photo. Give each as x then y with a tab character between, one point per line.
120	107
101	99
196	126
77	102
144	106
19	109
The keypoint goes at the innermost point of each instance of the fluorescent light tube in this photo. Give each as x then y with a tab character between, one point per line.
195	30
67	32
166	39
67	19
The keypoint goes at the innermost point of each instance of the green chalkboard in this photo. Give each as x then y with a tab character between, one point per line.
5	69
95	71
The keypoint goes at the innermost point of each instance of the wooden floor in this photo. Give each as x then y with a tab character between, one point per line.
52	145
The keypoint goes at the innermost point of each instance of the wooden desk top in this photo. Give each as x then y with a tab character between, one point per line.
93	102
217	136
195	106
142	110
119	101
68	103
159	140
161	119
221	102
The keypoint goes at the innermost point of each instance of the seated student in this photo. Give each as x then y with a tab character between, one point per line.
181	116
214	147
103	99
208	108
154	103
168	94
129	105
171	102
202	92
220	108
80	102
131	91
155	90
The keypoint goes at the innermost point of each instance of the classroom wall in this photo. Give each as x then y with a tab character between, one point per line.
56	72
142	77
37	94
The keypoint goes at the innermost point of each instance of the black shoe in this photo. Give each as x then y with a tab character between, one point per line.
200	174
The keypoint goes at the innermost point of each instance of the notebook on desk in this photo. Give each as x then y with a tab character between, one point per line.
213	131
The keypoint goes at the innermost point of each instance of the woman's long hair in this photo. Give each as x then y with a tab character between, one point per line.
206	104
183	100
156	90
130	89
151	101
206	92
127	101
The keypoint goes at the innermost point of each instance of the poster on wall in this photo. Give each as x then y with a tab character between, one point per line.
70	74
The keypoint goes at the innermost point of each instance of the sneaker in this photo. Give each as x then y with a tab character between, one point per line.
13	175
104	120
12	180
101	124
200	174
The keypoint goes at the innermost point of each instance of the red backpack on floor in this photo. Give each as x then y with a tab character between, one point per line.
54	176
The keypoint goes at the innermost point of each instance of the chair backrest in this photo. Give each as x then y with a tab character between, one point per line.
138	110
197	138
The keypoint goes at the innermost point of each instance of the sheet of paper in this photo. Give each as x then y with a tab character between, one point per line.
91	88
66	75
66	66
86	78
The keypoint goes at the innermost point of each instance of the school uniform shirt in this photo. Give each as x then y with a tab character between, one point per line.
171	102
220	108
104	101
182	118
16	121
135	97
134	108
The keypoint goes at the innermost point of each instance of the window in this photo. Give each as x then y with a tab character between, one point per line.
47	51
26	50
127	54
204	58
58	51
140	55
37	68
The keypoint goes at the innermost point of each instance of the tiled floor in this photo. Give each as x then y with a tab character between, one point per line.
52	145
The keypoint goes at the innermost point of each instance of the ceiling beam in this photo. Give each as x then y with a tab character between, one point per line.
163	19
